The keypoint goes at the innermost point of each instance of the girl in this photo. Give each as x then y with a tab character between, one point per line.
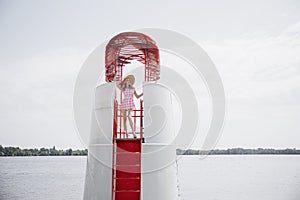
127	105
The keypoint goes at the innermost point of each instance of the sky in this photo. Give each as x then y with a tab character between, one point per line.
255	46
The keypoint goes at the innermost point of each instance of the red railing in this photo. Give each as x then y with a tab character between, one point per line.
138	117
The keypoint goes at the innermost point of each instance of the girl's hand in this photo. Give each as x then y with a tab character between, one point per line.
140	95
136	95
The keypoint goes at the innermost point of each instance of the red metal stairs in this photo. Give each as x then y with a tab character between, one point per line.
127	169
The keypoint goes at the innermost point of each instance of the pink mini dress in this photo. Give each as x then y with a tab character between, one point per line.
127	102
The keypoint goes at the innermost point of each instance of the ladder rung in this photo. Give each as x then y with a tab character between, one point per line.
128	165
127	190
129	152
128	178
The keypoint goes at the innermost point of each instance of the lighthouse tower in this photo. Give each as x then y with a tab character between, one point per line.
119	166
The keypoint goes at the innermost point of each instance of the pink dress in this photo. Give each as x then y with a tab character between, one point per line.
127	102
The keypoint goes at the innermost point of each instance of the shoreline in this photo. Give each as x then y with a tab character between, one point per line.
214	155
33	152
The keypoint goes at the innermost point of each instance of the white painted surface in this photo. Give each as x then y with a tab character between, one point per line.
98	180
159	178
158	112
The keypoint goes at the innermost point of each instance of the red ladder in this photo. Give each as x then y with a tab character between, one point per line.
128	169
126	159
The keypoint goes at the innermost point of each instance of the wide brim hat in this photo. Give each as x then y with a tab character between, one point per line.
131	78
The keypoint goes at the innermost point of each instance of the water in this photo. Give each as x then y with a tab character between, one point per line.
232	177
235	177
42	178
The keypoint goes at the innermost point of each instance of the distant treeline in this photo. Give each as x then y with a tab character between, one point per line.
16	151
238	151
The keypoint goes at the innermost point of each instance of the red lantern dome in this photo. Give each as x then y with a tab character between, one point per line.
128	46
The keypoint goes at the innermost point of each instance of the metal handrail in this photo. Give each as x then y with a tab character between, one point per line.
137	114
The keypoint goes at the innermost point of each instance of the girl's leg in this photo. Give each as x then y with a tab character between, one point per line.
124	115
130	122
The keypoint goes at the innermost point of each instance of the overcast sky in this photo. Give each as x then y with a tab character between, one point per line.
254	44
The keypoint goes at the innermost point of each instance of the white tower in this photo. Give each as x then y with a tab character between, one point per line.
119	166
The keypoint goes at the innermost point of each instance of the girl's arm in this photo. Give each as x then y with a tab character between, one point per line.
136	95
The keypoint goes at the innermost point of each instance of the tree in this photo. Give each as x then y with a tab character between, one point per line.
69	152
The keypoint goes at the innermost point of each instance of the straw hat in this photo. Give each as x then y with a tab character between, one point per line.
131	78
